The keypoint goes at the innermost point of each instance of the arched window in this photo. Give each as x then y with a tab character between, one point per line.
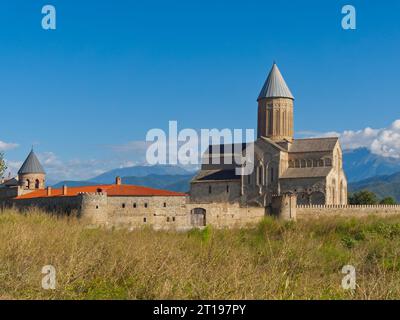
309	163
297	163
27	183
37	184
272	174
259	175
303	163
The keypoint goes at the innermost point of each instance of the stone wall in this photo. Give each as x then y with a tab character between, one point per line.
60	205
167	213
221	191
159	212
317	211
225	215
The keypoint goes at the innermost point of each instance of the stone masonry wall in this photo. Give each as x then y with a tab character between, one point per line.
166	213
317	211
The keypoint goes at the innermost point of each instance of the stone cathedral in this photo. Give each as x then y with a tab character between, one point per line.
309	170
288	176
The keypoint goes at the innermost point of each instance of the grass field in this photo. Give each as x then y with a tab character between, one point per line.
275	260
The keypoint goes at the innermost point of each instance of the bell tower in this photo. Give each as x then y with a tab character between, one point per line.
275	108
31	175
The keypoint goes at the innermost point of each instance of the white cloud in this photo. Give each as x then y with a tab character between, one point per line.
384	142
4	146
74	169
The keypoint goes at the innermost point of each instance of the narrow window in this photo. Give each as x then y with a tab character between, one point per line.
134	205
123	205
209	189
173	219
37	184
145	205
97	207
227	189
165	204
272	174
144	220
167	219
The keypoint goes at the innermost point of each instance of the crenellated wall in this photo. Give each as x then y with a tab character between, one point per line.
316	211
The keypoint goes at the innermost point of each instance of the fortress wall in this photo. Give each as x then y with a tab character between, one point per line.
316	211
226	215
94	207
159	212
58	205
163	213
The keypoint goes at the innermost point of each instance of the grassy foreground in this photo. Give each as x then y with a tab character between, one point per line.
275	260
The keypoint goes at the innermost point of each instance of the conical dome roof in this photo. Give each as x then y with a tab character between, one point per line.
31	165
275	86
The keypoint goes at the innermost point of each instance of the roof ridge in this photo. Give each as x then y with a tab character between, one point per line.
316	138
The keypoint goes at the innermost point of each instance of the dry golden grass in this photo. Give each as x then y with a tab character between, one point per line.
275	260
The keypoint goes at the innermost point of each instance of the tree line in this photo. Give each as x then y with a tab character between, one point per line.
364	197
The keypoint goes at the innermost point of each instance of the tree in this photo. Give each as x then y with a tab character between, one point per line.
388	200
3	166
363	197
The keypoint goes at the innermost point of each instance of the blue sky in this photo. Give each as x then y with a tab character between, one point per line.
84	94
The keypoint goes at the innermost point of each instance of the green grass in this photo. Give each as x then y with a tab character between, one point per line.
274	260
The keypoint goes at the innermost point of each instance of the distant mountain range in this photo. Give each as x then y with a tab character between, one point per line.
360	164
382	186
160	177
140	171
372	172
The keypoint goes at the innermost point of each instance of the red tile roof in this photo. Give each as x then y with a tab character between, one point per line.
110	189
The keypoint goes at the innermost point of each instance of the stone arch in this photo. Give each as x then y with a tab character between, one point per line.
260	175
198	217
303	198
317	198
